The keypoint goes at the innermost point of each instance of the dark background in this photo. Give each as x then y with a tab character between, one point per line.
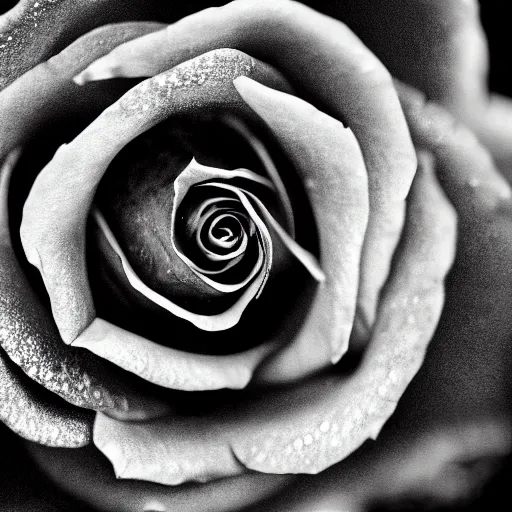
496	21
22	489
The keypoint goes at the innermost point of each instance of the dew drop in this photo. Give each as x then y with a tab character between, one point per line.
297	444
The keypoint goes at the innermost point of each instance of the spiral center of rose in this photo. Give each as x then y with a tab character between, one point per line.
220	231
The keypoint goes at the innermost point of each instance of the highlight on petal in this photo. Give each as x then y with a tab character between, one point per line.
310	427
64	190
168	367
29	337
329	162
369	103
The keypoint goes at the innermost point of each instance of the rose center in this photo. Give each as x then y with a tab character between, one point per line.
225	232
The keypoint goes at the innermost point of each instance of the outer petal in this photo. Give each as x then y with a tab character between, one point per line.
37	419
467	374
47	94
453	422
83	474
440	48
445	467
34	31
31	340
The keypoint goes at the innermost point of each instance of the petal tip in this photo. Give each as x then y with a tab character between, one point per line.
80	79
98	70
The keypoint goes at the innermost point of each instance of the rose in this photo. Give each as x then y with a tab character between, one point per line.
450	154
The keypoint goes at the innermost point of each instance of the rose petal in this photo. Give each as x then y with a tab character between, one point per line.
311	427
87	475
270	168
329	162
39	420
194	174
34	31
218	322
53	96
31	340
467	372
369	104
168	367
68	183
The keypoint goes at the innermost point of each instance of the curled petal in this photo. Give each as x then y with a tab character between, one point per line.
30	339
309	262
270	168
218	322
54	219
329	162
195	174
311	427
39	420
368	104
168	367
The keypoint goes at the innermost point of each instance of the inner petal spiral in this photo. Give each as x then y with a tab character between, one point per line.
199	220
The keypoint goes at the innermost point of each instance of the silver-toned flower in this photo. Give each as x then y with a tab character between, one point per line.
243	226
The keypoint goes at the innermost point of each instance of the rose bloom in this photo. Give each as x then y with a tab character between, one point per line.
254	257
